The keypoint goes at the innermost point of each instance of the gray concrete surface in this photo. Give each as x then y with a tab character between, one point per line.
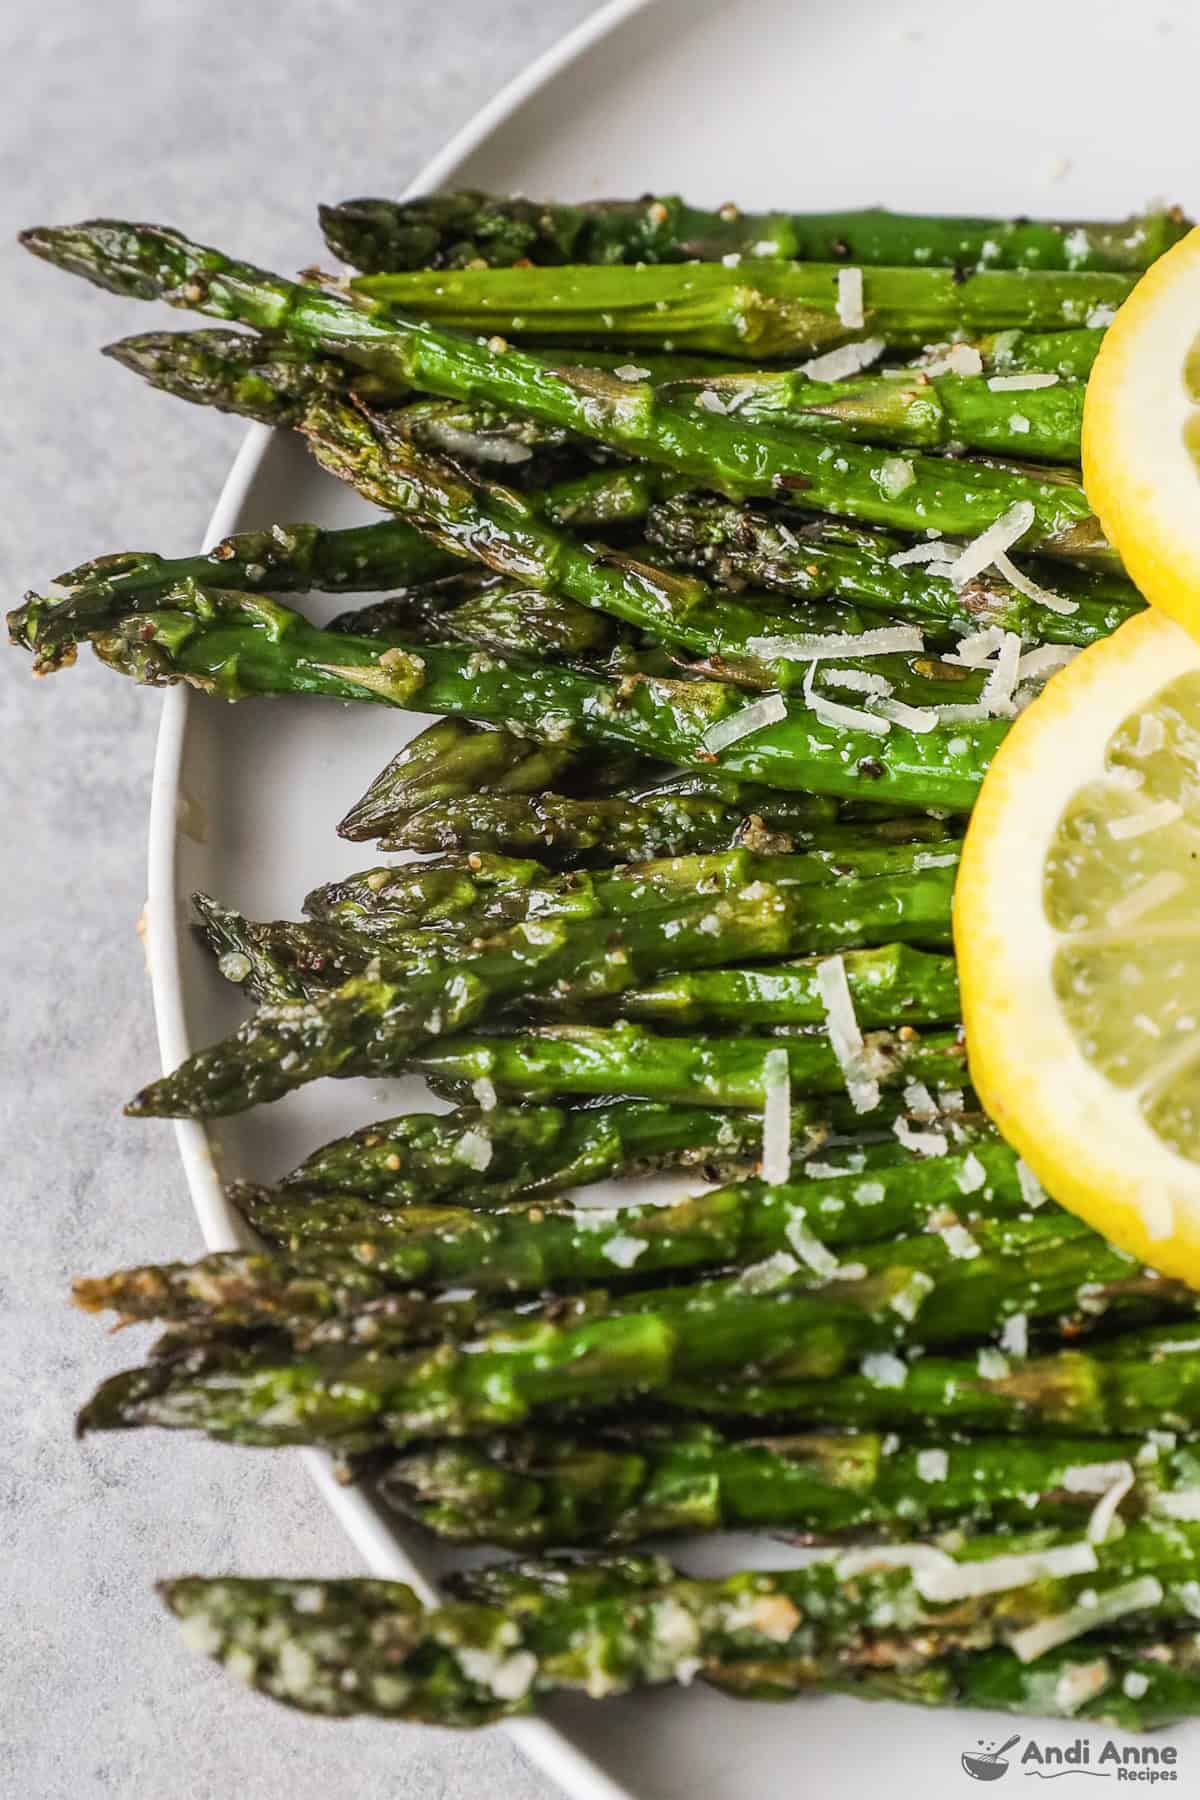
231	118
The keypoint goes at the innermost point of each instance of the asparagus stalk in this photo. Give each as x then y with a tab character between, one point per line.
532	1152
1141	1381
374	1024
499	528
494	614
449	760
554	1488
759	310
237	644
599	1351
343	1647
823	560
235	372
468	893
890	985
465	229
626	1059
147	262
579	832
1134	1685
906	407
560	1247
367	920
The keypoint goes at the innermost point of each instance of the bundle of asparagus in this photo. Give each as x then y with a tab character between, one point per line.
722	661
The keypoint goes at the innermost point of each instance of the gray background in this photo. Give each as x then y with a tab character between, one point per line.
230	118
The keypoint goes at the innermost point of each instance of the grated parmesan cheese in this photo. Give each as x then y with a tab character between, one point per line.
1013	384
845	1038
1115	1603
764	1277
999	536
1032	1191
777	1118
836	365
914	718
1045	659
1179	1503
769	710
850	299
918	553
932	1465
1014	1335
959	359
895	476
1081	1683
1054	603
817	646
884	1370
925	1143
996	1574
1001	684
624	1251
812	1252
972	1176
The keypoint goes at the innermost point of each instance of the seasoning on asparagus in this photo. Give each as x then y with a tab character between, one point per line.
149	262
469	228
345	1647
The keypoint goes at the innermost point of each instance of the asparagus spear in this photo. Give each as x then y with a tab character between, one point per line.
906	407
274	383
890	985
374	1025
148	262
464	229
554	1488
598	1350
238	644
445	762
366	921
563	828
758	310
343	1647
468	893
1141	1381
824	560
556	1246
626	1059
532	1152
499	528
1134	1685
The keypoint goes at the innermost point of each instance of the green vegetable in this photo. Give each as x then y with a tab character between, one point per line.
463	229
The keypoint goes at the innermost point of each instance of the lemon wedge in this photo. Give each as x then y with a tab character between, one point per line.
1077	929
1141	433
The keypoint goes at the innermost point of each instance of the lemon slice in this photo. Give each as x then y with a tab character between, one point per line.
1077	928
1141	433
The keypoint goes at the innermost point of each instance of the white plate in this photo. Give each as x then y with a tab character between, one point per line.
935	104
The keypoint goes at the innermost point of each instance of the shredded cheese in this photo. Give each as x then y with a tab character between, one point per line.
999	536
1054	603
850	298
836	365
845	1038
996	1574
777	1118
769	710
1115	1603
817	646
1013	384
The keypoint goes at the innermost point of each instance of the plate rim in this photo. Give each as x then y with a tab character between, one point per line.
382	1549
